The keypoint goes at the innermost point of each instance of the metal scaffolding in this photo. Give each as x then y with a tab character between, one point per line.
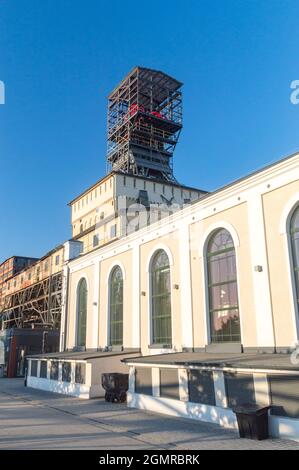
38	305
144	124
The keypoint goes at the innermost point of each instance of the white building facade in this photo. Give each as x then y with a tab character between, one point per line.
212	288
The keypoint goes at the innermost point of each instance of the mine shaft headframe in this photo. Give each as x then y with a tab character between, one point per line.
144	123
151	89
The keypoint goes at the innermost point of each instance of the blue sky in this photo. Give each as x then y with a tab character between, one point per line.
60	59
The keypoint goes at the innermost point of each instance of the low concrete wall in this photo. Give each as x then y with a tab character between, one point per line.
210	414
226	395
279	427
94	367
286	428
75	390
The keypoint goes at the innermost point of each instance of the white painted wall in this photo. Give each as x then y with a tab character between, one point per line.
71	389
209	414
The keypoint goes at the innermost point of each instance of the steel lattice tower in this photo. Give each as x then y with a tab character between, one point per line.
144	123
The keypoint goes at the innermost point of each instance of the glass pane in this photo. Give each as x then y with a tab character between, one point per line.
66	371
295	249
225	325
224	296
220	241
295	220
160	260
161	282
296	278
80	373
222	267
54	370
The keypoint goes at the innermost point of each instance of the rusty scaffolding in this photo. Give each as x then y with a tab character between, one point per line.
38	305
144	124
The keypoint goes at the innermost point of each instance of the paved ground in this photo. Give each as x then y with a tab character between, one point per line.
31	419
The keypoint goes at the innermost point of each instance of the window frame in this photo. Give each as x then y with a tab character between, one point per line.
168	340
295	269
209	285
81	281
111	304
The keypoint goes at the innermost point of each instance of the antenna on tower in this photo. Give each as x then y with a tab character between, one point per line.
144	124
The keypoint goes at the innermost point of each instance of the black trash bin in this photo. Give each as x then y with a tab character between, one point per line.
252	421
115	385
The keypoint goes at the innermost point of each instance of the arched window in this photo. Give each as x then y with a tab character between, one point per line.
81	313
161	299
116	307
294	236
223	288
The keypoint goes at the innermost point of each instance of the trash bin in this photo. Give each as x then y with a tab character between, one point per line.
252	421
115	385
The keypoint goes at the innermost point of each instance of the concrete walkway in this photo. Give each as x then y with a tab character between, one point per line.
31	419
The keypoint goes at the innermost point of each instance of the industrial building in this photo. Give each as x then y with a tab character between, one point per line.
30	310
10	268
194	293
